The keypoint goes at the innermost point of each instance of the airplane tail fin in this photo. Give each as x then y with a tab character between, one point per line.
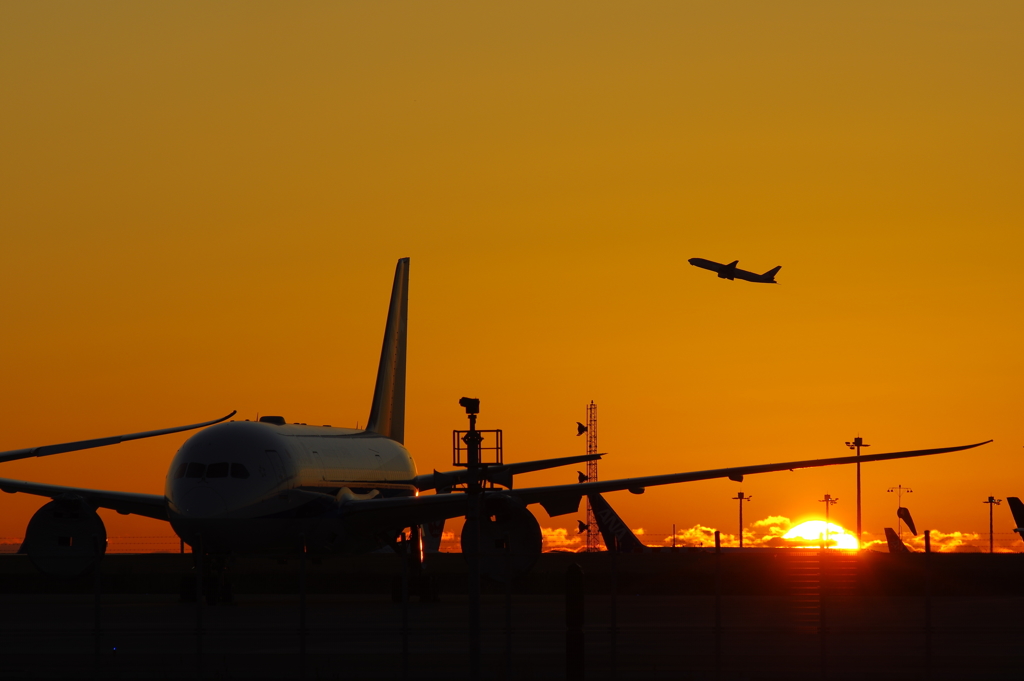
1017	509
896	545
387	413
904	515
770	274
617	536
432	533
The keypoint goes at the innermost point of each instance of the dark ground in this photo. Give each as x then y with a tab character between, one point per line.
875	609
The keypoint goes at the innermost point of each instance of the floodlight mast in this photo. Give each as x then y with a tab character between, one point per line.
857	443
992	501
900	491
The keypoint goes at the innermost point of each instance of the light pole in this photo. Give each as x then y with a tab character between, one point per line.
900	491
857	443
828	501
992	501
739	495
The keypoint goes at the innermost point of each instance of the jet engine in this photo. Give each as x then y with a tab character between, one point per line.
510	539
65	538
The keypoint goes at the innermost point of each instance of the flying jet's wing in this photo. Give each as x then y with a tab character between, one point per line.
149	505
563	499
47	450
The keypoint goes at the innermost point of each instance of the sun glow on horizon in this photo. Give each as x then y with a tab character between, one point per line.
814	531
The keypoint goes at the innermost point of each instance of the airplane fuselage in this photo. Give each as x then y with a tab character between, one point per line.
731	272
290	479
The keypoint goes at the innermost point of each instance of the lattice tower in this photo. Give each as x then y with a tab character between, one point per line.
593	533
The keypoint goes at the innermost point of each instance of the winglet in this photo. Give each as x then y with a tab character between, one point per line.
1017	509
387	413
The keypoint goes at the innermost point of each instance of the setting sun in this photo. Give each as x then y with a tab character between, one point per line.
814	531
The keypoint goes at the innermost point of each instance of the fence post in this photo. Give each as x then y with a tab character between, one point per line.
302	609
574	644
927	604
718	604
97	586
404	543
614	550
508	606
199	607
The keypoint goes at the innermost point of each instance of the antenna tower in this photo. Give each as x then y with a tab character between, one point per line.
593	534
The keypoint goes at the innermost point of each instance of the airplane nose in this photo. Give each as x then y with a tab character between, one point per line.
202	502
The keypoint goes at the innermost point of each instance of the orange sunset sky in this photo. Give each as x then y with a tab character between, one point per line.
202	206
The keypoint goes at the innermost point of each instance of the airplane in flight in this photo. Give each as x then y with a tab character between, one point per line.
272	486
732	272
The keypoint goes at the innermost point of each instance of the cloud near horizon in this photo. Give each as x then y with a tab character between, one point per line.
768	533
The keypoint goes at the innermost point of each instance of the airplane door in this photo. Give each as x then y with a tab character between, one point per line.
319	461
276	464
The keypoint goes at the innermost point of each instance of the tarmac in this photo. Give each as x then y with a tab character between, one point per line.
786	614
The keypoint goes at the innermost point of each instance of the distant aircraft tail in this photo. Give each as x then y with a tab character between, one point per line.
904	515
896	545
770	274
617	536
432	533
1017	509
387	413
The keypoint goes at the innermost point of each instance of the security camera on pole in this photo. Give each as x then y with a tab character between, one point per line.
992	502
741	499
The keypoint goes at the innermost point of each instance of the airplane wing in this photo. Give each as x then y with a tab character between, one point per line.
149	505
562	499
47	450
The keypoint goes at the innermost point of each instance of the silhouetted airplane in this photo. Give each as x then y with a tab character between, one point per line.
271	486
731	272
896	544
1017	509
903	514
616	534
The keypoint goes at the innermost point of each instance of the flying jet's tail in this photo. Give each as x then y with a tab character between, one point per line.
770	274
617	536
387	413
896	544
1017	509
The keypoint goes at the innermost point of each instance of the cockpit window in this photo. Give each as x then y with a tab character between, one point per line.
217	470
180	473
195	470
239	471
